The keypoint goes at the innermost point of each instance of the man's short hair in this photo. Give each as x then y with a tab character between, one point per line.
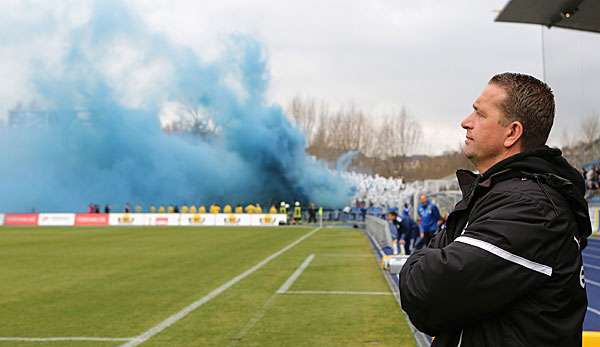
529	101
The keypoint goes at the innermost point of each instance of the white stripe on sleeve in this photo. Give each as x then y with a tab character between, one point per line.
541	268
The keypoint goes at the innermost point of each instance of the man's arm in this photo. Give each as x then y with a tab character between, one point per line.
492	264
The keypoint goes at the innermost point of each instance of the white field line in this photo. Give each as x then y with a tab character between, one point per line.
213	294
252	322
334	292
287	284
261	312
594	283
593	310
74	338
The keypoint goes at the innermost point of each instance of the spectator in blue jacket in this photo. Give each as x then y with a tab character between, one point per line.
401	232
429	220
412	226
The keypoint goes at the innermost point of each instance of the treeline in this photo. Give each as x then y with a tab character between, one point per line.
348	128
384	142
585	146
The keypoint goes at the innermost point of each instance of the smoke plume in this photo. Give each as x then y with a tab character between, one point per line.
109	119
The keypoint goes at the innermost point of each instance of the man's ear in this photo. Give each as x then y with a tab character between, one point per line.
514	133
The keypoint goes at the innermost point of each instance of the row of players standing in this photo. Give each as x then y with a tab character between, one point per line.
214	208
284	208
413	235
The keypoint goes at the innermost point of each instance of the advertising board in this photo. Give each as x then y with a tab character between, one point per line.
267	219
127	219
232	219
197	219
163	219
21	219
91	219
56	219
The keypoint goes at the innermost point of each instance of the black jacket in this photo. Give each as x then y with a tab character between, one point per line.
507	269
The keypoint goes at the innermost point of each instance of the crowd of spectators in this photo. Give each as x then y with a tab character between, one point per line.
375	191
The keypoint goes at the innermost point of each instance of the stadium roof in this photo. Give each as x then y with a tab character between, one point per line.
569	14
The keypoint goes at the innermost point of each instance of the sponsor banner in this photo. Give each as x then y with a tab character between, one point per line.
56	219
163	219
21	219
1	218
267	219
197	219
124	219
91	219
232	219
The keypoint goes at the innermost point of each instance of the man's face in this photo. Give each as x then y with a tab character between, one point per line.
423	199
485	132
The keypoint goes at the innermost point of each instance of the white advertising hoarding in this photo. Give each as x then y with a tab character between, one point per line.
232	219
267	219
197	219
56	219
1	218
126	219
163	219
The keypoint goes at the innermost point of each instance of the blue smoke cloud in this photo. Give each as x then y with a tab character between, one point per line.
99	137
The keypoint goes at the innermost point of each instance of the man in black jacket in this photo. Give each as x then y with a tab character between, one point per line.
507	269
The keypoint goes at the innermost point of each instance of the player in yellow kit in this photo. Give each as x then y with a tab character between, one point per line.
273	209
215	208
239	209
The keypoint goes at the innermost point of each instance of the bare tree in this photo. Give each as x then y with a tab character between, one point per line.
399	134
590	128
304	113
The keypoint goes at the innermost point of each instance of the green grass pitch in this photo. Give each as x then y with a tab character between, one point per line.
121	282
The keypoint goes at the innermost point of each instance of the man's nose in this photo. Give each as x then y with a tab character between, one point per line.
466	123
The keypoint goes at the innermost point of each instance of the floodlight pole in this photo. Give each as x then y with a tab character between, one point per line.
543	54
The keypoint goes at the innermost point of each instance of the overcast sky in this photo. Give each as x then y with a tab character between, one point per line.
434	57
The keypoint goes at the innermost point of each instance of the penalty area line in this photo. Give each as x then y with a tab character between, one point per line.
261	312
213	294
285	286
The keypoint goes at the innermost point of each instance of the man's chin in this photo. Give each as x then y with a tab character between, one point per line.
468	154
